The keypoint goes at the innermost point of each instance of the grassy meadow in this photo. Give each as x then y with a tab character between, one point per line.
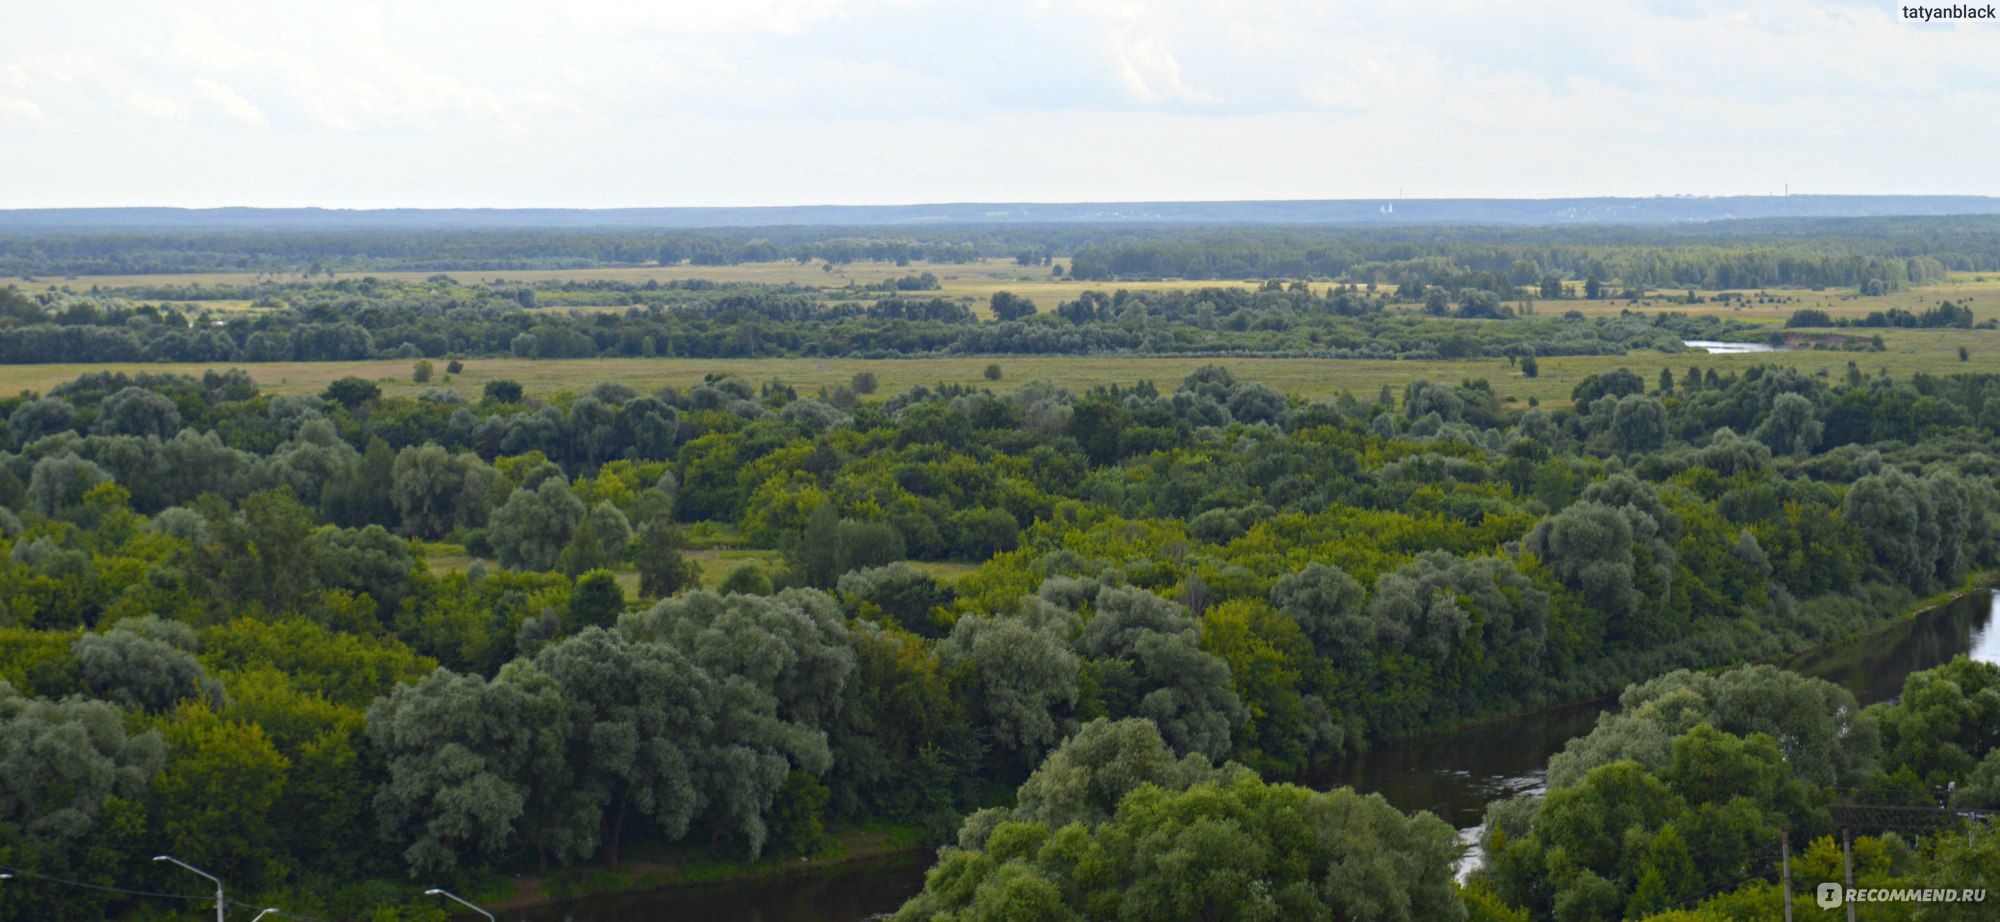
977	281
1908	350
974	281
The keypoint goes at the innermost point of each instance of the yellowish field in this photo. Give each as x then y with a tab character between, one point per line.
1980	291
1909	351
978	281
774	273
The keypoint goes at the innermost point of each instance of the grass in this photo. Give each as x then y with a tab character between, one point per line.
1980	291
975	281
978	281
771	273
1908	351
945	571
716	565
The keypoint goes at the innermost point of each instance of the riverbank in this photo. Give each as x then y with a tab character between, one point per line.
671	867
1982	582
1455	773
1452	773
1978	582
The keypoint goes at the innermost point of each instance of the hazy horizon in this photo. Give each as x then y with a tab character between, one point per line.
1052	202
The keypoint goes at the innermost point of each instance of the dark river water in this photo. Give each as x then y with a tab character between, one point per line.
1451	774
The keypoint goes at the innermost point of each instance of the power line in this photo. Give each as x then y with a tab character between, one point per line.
22	872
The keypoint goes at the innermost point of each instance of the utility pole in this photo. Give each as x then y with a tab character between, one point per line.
219	904
1785	861
1847	868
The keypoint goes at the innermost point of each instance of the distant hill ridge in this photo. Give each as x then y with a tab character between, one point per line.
1356	212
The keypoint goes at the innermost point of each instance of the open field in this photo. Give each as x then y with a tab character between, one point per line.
770	273
1980	291
1910	351
977	281
717	564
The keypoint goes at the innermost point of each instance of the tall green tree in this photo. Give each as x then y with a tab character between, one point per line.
477	768
661	559
642	719
217	794
530	531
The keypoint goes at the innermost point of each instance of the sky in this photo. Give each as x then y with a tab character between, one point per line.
602	103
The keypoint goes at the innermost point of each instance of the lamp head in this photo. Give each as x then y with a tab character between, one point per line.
161	858
432	892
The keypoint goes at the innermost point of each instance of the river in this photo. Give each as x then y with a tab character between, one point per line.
1714	347
1450	774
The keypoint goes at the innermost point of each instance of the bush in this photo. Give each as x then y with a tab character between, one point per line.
351	392
747	579
503	391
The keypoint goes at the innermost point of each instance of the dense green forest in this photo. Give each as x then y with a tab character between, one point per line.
351	320
234	630
1670	811
1703	254
1671	808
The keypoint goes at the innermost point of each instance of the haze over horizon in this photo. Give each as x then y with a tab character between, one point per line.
1352	213
598	103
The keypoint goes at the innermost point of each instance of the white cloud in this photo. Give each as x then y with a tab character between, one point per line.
764	101
15	109
153	105
230	102
710	17
1151	72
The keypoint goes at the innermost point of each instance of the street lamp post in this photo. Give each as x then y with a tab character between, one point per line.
219	904
264	913
462	901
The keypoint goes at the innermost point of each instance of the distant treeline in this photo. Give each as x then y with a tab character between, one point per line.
351	320
1877	256
1727	254
427	251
